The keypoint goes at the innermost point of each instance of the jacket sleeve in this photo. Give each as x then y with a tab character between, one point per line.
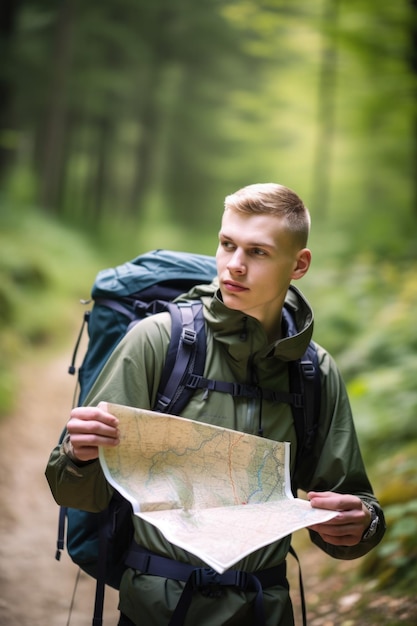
130	377
336	462
80	486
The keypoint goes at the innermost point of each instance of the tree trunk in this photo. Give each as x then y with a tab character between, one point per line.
326	111
147	141
8	14
56	111
101	177
413	64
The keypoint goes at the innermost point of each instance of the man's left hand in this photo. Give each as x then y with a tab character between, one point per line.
348	527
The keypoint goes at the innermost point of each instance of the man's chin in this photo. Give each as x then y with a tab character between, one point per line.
232	301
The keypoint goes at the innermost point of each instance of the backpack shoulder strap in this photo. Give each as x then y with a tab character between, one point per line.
304	380
305	385
186	354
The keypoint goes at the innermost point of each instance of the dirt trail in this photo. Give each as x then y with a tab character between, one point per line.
36	590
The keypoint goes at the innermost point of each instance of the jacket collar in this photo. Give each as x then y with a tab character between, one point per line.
241	333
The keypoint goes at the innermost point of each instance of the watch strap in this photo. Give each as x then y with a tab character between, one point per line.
373	526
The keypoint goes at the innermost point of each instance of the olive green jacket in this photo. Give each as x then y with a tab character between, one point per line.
237	351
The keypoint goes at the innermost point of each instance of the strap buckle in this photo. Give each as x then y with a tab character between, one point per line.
193	381
246	391
241	579
308	369
298	400
207	582
188	336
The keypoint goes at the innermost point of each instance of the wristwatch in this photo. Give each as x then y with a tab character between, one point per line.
372	528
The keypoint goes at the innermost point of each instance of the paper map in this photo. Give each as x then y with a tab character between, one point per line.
215	492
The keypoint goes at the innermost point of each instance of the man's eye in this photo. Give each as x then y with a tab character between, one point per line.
258	252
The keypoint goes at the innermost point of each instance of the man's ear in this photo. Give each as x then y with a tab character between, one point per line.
303	264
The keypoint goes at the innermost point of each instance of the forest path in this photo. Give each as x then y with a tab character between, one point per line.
35	589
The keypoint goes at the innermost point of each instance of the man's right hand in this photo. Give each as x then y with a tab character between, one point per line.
91	427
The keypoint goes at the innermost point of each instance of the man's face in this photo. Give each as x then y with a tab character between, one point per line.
256	260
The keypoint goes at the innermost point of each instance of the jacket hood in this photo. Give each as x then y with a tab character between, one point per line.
228	325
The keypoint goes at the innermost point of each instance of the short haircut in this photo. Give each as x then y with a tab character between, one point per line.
273	199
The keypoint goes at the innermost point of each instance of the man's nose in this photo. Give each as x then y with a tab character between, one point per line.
237	262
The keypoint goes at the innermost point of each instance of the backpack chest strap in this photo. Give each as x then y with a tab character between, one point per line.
205	580
242	390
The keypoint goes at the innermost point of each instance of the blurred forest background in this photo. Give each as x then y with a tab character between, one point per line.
124	123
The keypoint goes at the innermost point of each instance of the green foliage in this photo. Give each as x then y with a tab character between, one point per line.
365	312
393	563
365	317
45	270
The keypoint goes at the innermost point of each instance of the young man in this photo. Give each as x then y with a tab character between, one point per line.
262	249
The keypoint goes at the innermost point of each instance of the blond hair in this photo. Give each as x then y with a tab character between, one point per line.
273	199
